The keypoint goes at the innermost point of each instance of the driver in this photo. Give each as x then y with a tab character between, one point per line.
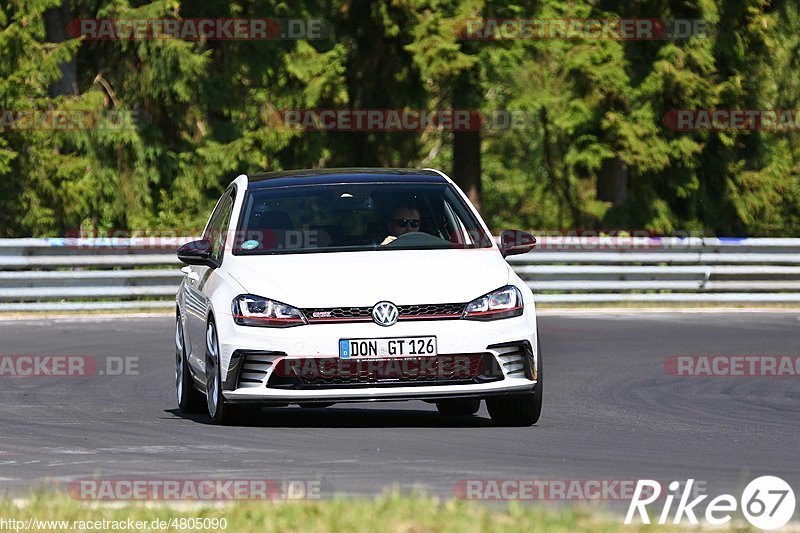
404	219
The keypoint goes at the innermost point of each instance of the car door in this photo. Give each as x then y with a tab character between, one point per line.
197	279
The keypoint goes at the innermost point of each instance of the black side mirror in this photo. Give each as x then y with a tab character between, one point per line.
197	253
513	242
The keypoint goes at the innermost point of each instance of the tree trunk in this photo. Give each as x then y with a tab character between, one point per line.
467	164
467	144
612	181
55	23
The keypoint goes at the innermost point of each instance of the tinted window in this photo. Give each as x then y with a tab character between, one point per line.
355	217
216	231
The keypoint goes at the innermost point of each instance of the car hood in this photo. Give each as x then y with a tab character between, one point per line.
361	279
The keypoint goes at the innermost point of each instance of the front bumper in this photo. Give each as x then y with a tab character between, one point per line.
252	359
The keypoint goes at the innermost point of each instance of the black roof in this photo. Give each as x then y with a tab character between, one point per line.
327	176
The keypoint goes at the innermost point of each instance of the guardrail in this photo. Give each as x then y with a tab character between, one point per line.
84	274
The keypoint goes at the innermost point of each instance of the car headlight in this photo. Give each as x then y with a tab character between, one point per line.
249	310
502	303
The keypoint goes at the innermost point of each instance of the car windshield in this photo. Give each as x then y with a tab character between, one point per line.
356	217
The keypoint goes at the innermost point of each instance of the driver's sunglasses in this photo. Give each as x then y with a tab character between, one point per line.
404	222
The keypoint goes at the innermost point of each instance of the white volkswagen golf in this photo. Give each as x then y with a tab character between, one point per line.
352	285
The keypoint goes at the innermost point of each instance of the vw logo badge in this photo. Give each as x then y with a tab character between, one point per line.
384	313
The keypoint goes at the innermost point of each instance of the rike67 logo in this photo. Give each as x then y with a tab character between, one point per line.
767	502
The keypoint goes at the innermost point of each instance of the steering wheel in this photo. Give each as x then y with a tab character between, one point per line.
406	235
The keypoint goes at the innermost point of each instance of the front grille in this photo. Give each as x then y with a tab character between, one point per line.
338	314
324	373
408	312
405	312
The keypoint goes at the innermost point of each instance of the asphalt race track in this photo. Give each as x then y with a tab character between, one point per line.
611	411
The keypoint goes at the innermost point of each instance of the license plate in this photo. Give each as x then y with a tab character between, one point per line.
391	347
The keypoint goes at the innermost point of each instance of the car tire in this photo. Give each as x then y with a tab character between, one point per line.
459	406
519	409
190	400
221	412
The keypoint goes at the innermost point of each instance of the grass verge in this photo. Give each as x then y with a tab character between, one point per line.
391	512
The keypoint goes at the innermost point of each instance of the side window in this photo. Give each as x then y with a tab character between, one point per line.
211	224
220	236
455	227
216	230
461	217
